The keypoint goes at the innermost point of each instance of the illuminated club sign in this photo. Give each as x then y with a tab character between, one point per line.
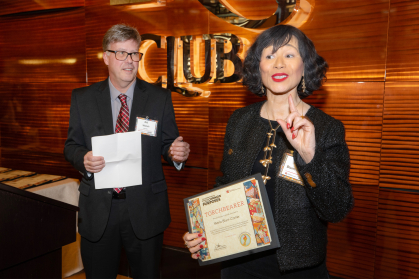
224	54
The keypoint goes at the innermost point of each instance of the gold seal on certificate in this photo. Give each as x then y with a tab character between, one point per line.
236	219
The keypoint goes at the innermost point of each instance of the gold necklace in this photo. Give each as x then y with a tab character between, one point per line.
267	158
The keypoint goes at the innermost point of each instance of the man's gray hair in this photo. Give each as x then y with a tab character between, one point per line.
120	33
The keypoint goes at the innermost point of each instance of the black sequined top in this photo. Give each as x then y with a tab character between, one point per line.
301	213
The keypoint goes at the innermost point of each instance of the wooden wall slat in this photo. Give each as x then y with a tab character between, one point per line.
397	235
251	9
34	121
399	156
403	41
352	37
363	134
192	121
35	50
181	184
20	6
352	242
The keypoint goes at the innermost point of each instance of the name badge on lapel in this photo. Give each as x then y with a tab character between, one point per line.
288	169
146	126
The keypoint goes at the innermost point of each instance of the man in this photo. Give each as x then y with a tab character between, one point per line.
134	217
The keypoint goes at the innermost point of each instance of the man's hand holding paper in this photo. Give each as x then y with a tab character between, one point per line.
92	163
122	154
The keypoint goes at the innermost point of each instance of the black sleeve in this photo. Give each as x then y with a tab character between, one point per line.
75	146
169	128
326	177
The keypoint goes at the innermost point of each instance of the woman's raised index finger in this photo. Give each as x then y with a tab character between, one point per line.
291	103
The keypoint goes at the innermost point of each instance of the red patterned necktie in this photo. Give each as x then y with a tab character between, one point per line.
122	123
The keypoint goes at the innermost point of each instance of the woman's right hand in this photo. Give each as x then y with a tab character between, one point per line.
193	243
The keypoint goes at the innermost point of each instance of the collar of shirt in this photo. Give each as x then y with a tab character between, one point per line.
115	93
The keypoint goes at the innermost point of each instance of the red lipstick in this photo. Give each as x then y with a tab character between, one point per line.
279	77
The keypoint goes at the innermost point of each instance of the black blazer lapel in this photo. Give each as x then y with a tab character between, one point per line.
138	103
103	98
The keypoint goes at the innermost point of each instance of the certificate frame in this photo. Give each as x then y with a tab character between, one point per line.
233	221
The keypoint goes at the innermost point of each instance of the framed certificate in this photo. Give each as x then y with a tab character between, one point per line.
236	219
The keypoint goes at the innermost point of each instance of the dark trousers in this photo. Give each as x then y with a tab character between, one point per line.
101	259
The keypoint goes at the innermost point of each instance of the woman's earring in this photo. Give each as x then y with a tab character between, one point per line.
262	89
304	85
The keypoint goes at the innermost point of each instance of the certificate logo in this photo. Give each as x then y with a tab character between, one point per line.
244	239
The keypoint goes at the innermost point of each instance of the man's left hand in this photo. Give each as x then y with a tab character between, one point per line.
179	150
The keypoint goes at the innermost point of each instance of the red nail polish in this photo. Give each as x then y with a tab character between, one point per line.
198	255
201	246
293	136
199	235
204	239
292	129
288	125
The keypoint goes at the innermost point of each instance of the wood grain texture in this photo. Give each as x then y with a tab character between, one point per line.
251	9
34	122
360	107
351	35
351	247
20	6
35	50
403	41
399	165
397	235
192	121
181	184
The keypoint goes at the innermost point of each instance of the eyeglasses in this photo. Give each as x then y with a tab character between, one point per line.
123	55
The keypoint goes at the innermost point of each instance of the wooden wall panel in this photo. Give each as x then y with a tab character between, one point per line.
399	166
397	235
251	9
403	41
19	6
34	121
43	47
351	35
360	107
181	184
192	121
351	248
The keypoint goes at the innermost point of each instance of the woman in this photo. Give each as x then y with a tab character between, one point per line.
284	65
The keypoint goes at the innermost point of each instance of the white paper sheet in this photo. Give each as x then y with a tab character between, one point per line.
122	153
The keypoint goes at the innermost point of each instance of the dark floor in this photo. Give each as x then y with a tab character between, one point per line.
177	263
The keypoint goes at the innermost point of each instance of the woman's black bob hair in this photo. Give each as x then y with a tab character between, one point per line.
315	66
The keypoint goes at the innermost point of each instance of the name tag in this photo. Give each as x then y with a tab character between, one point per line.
146	126
288	169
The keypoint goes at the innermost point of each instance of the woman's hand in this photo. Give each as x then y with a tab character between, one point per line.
193	243
300	132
